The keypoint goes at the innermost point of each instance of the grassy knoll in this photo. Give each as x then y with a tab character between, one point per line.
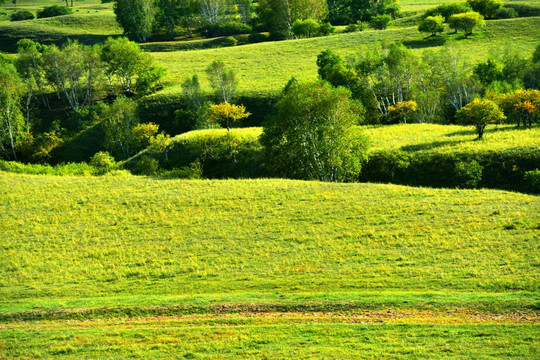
268	268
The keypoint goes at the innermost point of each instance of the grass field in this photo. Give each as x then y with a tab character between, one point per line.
225	268
285	59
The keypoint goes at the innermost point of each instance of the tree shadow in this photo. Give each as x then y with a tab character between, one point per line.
431	41
431	145
488	130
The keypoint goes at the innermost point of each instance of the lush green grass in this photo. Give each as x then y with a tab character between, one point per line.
87	237
299	337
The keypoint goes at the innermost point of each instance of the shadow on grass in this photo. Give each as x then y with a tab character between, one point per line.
488	130
431	41
431	145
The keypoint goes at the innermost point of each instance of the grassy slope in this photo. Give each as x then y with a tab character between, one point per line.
285	59
438	267
423	137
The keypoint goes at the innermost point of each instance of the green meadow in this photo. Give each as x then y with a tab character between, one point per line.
99	248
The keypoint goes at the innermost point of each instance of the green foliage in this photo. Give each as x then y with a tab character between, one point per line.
380	22
310	137
103	162
480	113
524	10
54	10
468	174
230	41
466	22
506	13
12	124
146	166
432	25
257	38
220	153
64	169
136	17
487	8
532	178
226	29
447	10
22	15
305	28
119	121
223	80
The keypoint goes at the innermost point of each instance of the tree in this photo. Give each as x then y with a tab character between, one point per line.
120	120
305	28
276	15
223	81
521	106
312	137
447	10
487	8
308	9
480	113
432	24
401	111
168	15
134	68
212	10
136	17
225	114
11	120
466	22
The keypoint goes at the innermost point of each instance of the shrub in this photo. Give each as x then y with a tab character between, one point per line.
22	15
487	8
380	22
532	180
468	174
227	29
278	36
103	162
524	10
521	106
447	10
230	41
257	38
54	10
146	166
466	22
506	13
305	28
326	29
432	25
351	28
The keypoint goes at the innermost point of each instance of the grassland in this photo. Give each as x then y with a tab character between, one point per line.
403	271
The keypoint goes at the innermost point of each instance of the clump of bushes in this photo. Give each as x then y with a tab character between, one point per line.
230	41
257	38
380	22
103	162
54	10
22	15
227	29
359	26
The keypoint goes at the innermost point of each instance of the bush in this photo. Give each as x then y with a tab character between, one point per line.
351	28
466	22
380	22
326	29
227	29
54	10
524	10
532	180
69	169
468	174
257	38
146	166
221	153
432	25
103	162
506	13
447	10
22	15
305	28
230	41
487	8
278	36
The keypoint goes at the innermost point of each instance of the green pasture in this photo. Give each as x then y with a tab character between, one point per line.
76	237
269	337
266	67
